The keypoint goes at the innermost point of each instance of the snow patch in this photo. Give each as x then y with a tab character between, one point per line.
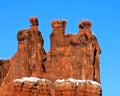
4	58
78	81
35	79
93	33
31	79
94	82
62	80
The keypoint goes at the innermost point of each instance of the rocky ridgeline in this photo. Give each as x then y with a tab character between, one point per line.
70	56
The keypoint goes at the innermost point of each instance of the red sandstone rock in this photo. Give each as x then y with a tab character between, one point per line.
72	87
70	56
73	55
34	21
4	66
27	88
85	24
28	61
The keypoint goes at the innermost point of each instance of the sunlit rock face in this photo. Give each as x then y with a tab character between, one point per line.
69	68
75	87
32	86
73	55
29	59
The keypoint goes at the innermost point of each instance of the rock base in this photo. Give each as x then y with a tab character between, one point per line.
44	87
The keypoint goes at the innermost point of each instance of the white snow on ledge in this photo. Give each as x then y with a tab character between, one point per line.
4	58
93	33
31	79
35	79
78	81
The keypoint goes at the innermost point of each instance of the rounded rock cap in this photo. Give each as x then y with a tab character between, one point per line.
85	24
34	21
58	23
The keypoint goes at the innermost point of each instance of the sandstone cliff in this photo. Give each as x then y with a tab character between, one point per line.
71	67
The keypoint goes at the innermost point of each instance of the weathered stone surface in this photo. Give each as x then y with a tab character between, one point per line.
30	57
4	67
44	87
70	56
34	21
77	88
65	88
27	88
40	87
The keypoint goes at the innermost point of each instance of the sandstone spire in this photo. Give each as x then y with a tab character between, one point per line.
74	56
28	60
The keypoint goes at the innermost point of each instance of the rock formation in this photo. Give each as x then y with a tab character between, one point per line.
28	61
71	67
74	56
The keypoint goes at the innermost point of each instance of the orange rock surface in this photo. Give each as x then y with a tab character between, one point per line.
70	56
4	66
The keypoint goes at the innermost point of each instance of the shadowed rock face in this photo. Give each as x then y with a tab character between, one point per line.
4	67
70	56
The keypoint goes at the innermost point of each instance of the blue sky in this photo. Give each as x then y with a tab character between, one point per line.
104	14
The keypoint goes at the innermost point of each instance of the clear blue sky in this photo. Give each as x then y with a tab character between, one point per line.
105	15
